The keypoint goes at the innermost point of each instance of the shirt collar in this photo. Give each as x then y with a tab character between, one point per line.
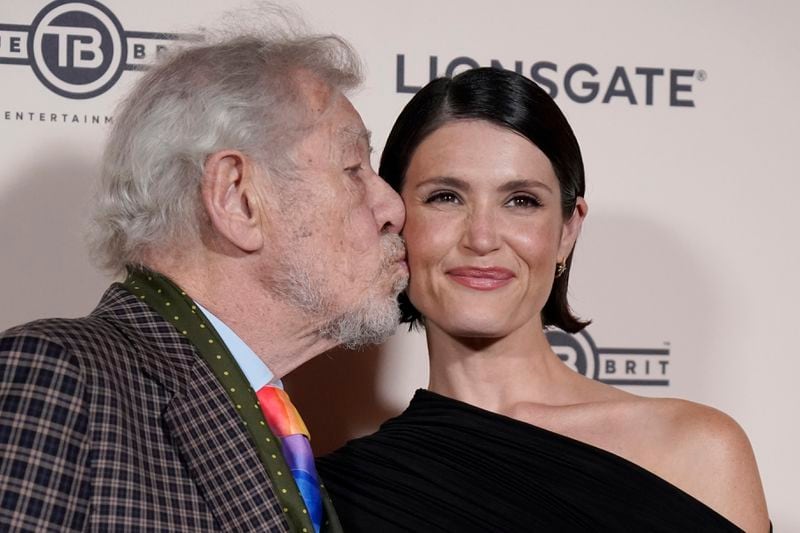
253	368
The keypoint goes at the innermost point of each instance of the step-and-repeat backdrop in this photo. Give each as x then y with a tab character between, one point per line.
688	116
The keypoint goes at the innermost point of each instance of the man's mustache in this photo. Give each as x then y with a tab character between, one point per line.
394	249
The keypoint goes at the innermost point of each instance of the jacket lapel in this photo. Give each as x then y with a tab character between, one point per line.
217	451
206	429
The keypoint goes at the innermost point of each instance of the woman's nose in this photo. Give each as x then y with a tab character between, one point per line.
480	234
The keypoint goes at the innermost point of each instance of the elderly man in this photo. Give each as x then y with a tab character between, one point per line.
238	195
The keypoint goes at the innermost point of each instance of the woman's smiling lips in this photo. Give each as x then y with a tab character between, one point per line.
482	279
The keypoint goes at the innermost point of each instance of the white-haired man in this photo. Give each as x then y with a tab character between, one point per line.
237	195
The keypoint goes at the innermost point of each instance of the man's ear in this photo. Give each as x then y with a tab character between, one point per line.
572	228
230	197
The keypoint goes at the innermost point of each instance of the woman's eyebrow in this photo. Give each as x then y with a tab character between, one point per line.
523	183
446	181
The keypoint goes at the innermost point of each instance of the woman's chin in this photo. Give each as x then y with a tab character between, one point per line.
476	329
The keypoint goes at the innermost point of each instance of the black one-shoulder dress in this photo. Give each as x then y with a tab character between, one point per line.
444	465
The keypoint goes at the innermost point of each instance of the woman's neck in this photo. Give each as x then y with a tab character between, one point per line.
496	374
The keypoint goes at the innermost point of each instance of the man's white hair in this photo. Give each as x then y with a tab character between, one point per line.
237	93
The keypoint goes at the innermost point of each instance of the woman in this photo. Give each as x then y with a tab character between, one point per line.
508	438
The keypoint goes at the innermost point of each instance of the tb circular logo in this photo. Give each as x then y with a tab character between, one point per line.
77	48
577	351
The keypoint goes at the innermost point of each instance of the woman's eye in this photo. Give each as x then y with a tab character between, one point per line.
524	201
443	197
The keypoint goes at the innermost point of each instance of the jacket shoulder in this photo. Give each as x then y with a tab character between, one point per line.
44	423
58	341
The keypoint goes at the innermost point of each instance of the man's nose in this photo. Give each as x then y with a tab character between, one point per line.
387	206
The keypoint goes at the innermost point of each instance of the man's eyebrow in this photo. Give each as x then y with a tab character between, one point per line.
357	134
367	134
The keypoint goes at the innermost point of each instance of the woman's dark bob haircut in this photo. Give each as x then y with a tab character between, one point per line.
508	100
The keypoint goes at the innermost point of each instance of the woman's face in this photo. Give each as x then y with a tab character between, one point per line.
484	229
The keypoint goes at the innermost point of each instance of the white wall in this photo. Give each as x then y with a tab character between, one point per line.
690	246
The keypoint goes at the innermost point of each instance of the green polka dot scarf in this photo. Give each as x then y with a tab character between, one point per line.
177	308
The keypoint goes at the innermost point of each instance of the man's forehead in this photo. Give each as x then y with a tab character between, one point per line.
317	92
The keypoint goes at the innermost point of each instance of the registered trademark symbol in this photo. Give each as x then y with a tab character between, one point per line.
701	75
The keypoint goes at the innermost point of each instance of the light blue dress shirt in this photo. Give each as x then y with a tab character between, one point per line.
254	369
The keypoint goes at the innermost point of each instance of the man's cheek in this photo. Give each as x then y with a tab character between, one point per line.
365	234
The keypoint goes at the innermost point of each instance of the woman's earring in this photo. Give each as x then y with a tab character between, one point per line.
561	267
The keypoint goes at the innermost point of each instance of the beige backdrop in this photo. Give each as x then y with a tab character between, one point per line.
689	257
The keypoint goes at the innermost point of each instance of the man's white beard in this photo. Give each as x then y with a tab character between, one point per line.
372	322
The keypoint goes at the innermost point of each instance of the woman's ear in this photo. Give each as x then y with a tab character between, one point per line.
230	196
572	228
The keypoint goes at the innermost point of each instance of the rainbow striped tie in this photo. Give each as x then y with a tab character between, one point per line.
286	424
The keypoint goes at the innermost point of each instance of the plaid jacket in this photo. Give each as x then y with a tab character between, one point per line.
113	422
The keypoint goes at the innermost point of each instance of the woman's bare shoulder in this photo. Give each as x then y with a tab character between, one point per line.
707	454
697	448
